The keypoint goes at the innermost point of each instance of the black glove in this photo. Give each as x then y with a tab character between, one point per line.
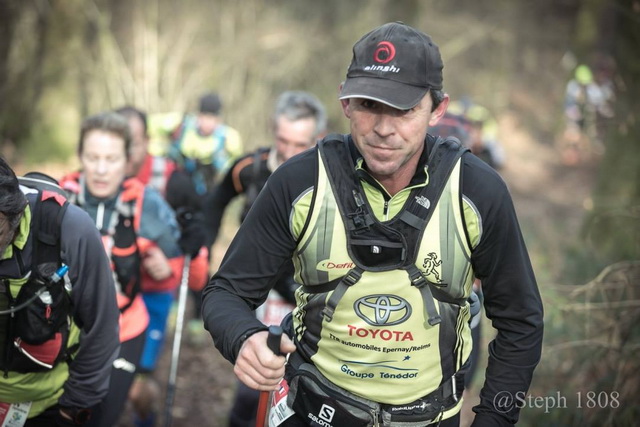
191	231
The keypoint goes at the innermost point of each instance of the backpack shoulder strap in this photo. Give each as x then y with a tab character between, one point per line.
442	159
48	211
337	160
253	189
43	182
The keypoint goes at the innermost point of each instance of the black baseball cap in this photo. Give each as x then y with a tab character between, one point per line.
394	64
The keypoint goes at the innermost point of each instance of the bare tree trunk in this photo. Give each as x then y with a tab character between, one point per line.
40	56
21	89
86	63
10	12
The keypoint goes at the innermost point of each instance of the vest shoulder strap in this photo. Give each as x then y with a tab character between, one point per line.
356	213
253	189
48	211
399	239
42	182
442	159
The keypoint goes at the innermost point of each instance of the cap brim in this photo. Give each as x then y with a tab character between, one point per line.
397	95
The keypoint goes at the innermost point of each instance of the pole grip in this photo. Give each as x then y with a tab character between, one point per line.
273	339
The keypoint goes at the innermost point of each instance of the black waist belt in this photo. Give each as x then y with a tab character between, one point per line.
420	412
428	407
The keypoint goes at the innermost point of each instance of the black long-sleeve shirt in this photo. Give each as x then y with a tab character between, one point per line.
512	301
248	174
94	309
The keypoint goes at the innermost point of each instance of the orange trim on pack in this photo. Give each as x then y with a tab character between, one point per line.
123	252
59	198
145	172
133	190
235	173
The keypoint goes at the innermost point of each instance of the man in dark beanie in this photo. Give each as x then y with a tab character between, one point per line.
203	146
210	104
387	227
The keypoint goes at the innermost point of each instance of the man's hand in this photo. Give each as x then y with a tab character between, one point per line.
192	234
68	417
156	264
257	366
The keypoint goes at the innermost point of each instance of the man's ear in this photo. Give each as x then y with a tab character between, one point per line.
437	114
344	103
345	107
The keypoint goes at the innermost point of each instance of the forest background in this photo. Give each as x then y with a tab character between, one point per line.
63	60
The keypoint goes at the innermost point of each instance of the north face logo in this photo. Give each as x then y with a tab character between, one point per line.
423	201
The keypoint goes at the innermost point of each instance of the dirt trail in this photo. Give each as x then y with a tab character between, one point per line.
543	188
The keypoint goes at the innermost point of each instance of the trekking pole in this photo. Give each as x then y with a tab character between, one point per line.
177	338
273	342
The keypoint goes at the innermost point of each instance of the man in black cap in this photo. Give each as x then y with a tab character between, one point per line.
387	227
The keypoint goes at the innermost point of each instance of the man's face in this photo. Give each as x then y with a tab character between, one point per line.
7	233
207	123
293	137
138	147
391	140
104	162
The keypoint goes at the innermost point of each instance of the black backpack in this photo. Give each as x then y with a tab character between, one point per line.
39	316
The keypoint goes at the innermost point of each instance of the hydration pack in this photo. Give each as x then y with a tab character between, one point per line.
37	321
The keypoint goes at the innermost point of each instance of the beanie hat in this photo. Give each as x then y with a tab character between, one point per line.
210	103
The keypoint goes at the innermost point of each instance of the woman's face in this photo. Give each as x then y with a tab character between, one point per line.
104	162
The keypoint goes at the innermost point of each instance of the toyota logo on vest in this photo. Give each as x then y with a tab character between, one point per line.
382	310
